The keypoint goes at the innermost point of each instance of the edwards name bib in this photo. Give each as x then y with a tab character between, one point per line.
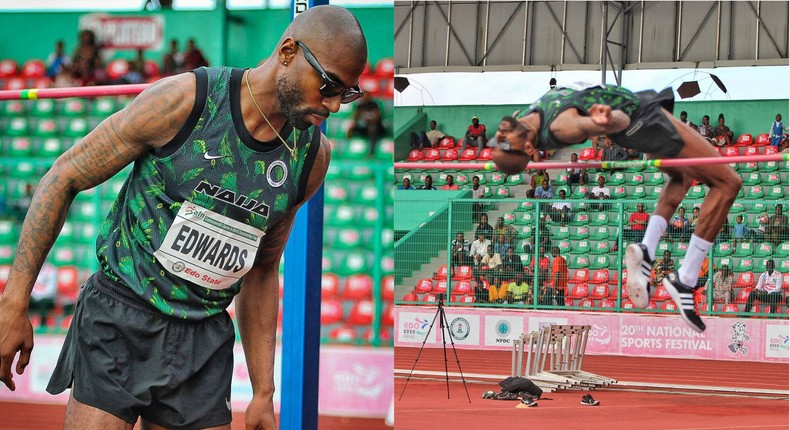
207	248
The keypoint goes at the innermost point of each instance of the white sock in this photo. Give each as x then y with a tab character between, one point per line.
689	270
656	227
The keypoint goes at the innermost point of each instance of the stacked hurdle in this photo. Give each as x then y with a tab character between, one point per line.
554	358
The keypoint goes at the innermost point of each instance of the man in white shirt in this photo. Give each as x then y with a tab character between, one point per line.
600	192
479	248
768	289
560	211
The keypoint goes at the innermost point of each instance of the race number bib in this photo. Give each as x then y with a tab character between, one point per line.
207	248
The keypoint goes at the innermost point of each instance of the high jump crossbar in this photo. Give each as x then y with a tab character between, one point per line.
665	162
84	92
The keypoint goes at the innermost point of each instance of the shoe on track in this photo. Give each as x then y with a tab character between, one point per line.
529	401
589	401
637	260
683	296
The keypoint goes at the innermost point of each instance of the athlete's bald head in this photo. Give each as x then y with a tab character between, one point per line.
329	26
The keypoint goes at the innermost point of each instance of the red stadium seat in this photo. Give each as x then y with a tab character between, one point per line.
116	69
601	276
4	271
361	313
411	297
388	316
329	285
385	335
15	83
669	305
770	150
762	140
606	303
745	280
730	151
613	291
369	84
469	298
8	68
441	274
34	69
627	304
429	298
358	286
743	295
344	334
579	291
751	150
587	303
415	155
68	284
587	154
385	67
660	294
744	140
568	301
424	285
462	288
486	154
446	142
431	154
450	155
600	291
440	287
580	276
462	273
331	311
388	287
731	308
151	68
468	154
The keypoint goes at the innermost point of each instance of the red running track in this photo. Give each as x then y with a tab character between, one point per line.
425	403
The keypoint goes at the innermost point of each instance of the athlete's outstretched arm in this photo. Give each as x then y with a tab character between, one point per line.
258	303
572	127
151	120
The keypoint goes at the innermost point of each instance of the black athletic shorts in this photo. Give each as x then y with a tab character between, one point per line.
128	359
651	131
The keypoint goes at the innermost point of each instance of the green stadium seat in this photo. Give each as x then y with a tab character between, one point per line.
723	249
45	127
336	193
18	126
13	108
652	193
359	172
487	192
562	232
743	265
561	179
752	178
340	215
501	193
775	192
728	261
8	232
514	180
73	107
525	232
696	192
619	192
525	218
354	149
580	192
637	192
103	107
63	255
769	166
75	127
579	262
782	251
599	218
19	147
526	206
737	207
764	250
744	249
616	178
580	218
754	192
385	149
509	218
635	179
771	178
599	233
599	247
654	178
43	108
348	238
366	194
757	207
352	263
85	233
746	167
580	233
23	170
49	147
564	246
679	249
462	179
581	247
370	216
599	262
496	178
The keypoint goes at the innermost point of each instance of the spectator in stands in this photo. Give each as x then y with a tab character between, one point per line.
172	61
694	218
778	139
613	152
679	228
136	73
506	230
475	135
478	248
684	119
57	60
637	223
497	290
491	263
428	183
741	233
537	179
776	230
702	275
429	139
86	63
544	191
484	227
762	227
663	267
544	265
705	129
559	276
768	289
561	211
519	290
722	285
575	173
45	292
501	244
367	123
21	205
406	185
600	192
478	192
64	79
511	264
461	250
450	185
722	136
193	57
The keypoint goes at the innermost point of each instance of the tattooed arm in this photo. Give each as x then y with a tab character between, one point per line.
151	120
257	306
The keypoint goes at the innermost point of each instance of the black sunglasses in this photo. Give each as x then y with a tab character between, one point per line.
330	87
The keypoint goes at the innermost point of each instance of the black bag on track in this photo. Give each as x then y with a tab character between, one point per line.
517	384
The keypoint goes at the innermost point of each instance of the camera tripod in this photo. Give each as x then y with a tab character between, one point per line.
445	328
